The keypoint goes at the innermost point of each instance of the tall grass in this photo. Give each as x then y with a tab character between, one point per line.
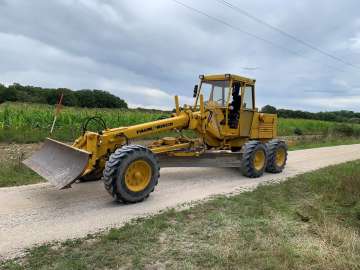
24	123
14	173
288	127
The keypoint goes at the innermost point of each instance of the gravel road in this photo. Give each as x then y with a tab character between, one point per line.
35	214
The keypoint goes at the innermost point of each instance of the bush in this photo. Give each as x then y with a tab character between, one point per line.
354	120
345	130
298	131
268	109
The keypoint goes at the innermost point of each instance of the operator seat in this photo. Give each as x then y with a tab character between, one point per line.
234	109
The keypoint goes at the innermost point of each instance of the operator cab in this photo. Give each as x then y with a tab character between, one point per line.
228	97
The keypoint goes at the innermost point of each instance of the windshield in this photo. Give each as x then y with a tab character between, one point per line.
216	91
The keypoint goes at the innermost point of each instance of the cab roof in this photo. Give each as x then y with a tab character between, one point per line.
221	77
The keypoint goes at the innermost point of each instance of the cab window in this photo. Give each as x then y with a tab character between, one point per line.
216	91
248	98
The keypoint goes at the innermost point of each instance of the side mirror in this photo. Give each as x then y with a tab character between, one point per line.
196	88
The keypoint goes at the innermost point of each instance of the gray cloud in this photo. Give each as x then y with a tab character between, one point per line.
147	51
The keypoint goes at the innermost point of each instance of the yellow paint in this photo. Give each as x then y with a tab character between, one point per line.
138	175
184	154
259	160
168	148
169	140
232	77
177	106
280	156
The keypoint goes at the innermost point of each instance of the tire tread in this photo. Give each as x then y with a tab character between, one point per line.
112	170
247	167
272	146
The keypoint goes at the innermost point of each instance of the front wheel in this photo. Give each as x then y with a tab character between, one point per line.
131	173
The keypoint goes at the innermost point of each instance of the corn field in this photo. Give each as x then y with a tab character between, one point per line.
26	122
22	122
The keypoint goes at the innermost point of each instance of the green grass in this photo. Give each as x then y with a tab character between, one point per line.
323	142
288	127
26	123
13	173
311	221
311	127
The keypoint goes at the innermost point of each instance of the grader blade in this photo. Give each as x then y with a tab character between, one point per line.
58	163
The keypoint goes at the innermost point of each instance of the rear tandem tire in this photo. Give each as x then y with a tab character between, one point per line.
277	156
131	173
254	159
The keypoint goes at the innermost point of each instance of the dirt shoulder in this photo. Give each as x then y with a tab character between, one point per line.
14	151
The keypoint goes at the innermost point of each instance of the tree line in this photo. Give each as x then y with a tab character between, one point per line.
80	98
336	116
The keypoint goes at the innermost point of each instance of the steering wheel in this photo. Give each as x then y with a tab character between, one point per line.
98	120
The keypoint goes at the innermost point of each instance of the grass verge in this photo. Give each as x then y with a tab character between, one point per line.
323	142
311	221
13	173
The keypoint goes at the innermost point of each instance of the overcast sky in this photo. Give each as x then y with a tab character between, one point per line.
147	51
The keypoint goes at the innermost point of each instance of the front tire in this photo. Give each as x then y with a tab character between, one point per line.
254	159
131	173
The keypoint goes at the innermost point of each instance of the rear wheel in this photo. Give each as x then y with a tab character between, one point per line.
254	159
277	152
131	173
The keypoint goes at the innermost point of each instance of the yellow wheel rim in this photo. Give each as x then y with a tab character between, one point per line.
138	175
280	156
259	160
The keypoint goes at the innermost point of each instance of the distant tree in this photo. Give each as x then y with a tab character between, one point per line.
82	98
105	99
85	98
2	90
98	99
269	109
69	98
9	93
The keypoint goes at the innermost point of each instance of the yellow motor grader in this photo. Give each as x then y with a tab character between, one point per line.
230	133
